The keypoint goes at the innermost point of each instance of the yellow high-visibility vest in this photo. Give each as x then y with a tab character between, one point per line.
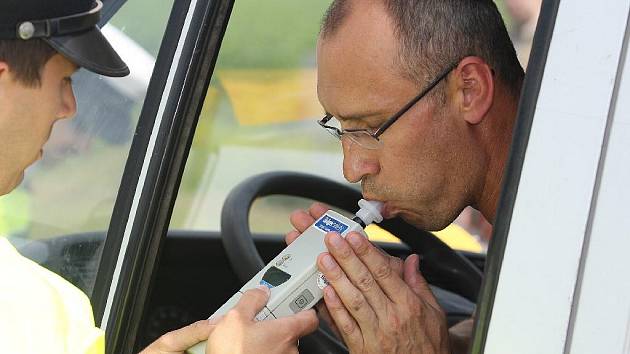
15	212
40	312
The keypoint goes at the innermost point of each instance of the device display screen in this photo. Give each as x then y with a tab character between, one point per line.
274	276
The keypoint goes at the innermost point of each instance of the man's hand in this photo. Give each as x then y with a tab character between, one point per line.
378	304
238	332
461	336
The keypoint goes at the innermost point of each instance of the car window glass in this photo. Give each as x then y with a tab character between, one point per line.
260	115
61	211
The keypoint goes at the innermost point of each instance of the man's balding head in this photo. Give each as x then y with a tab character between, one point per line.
433	33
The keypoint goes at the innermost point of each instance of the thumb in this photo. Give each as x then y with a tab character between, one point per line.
181	339
300	324
414	278
253	301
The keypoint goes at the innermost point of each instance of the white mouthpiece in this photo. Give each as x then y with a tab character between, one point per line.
370	211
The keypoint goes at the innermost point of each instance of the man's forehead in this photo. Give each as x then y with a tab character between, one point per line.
356	63
367	27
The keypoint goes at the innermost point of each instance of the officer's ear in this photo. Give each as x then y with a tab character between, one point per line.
474	83
4	67
4	73
5	70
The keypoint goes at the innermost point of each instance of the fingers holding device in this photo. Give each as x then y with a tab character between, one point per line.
292	278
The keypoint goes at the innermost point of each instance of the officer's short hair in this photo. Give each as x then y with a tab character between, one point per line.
26	59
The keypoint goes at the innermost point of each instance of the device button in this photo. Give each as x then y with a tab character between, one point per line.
301	301
264	314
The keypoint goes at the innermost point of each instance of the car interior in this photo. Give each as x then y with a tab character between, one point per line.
199	270
254	154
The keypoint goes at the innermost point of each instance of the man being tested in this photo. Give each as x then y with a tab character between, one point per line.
423	96
42	43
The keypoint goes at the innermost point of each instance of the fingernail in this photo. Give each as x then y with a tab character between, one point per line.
328	262
416	260
263	288
355	240
335	240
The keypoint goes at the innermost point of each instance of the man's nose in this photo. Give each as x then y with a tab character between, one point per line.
68	104
358	162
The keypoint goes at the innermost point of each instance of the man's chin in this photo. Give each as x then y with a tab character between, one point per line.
392	209
388	212
420	222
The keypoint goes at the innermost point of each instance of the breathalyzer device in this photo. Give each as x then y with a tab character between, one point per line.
292	277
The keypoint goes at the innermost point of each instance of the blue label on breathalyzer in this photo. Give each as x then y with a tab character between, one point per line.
262	282
329	224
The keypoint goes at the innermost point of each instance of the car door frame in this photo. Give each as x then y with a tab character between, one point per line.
554	225
155	165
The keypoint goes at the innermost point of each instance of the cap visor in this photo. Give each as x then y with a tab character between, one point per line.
92	51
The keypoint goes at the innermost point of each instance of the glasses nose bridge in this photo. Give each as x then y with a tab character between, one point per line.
361	137
364	139
335	132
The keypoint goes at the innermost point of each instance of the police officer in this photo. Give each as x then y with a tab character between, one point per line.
42	43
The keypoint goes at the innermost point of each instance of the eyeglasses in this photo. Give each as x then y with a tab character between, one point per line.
369	139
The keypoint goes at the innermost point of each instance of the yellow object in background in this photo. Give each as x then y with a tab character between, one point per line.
459	239
453	235
268	96
40	312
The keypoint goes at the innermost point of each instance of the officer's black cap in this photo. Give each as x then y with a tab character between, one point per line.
69	26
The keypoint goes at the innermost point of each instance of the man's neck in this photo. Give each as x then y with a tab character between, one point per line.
497	151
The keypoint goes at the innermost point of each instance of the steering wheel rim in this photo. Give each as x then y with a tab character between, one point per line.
440	265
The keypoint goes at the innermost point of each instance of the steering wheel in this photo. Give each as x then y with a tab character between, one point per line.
441	265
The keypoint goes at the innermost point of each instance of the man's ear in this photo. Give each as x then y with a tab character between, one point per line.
474	81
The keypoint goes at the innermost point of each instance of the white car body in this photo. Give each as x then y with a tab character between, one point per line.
563	285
